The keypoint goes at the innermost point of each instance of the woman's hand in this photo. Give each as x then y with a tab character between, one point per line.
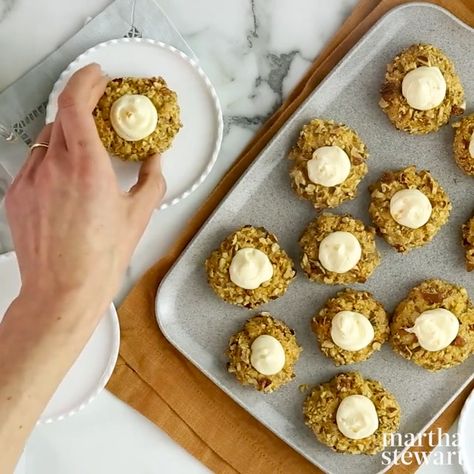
74	230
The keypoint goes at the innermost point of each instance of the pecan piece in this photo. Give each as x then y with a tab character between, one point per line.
456	110
344	383
388	177
422	59
387	90
432	298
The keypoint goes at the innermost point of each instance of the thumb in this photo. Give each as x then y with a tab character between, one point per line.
151	185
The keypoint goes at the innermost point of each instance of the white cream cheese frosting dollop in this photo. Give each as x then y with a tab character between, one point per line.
410	208
351	331
250	268
424	88
267	355
339	252
356	417
435	329
133	117
329	166
471	145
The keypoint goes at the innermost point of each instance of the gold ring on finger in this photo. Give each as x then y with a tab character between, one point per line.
39	145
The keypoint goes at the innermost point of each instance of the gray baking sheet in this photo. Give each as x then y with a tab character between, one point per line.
199	324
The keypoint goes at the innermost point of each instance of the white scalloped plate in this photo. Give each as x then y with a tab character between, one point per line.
20	467
92	369
194	151
466	435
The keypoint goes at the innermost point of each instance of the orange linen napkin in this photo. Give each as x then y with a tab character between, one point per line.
155	379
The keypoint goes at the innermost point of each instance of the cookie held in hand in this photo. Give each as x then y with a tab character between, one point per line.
137	117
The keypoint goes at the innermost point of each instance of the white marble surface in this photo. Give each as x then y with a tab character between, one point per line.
254	51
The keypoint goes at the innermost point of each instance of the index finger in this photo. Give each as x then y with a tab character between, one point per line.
83	89
75	106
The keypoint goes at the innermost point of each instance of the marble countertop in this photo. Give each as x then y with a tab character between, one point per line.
254	52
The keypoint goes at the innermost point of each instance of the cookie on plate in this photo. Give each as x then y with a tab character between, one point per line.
468	243
351	414
351	326
338	249
463	144
137	117
263	354
421	90
249	268
408	207
329	161
434	325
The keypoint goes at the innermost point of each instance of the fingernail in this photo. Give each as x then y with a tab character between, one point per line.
101	70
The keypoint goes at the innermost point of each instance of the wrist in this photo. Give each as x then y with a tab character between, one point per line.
71	309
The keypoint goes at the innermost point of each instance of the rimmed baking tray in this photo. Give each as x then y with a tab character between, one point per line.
199	324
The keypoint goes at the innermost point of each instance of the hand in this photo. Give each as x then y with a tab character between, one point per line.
74	230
